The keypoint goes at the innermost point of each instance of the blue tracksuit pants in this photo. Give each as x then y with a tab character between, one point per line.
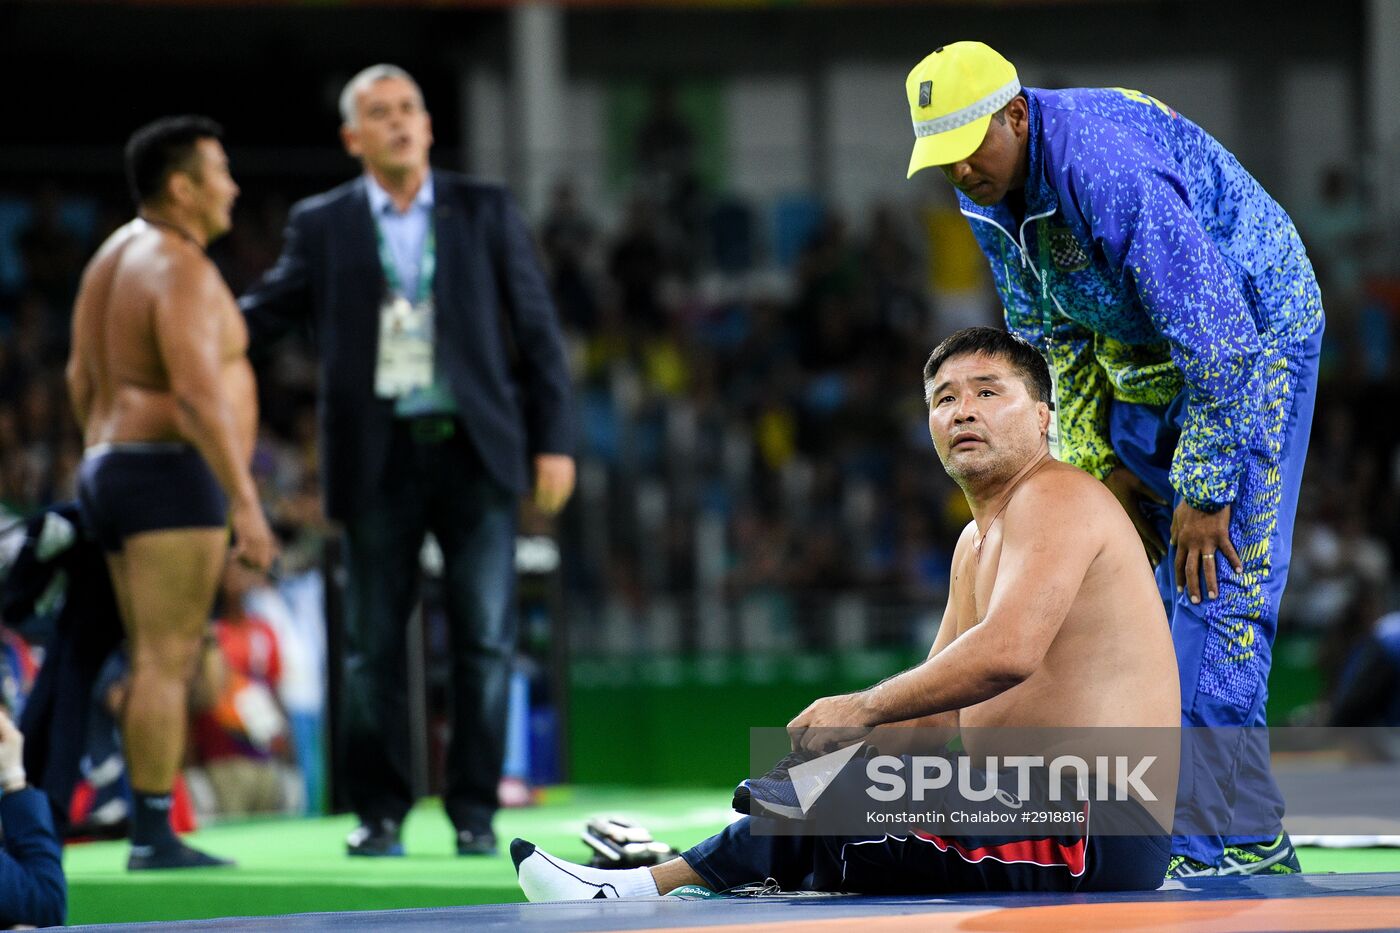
1227	795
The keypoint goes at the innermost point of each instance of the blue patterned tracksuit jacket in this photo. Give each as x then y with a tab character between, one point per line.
1169	267
1181	319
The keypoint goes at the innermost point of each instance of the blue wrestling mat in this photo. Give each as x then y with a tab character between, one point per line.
1205	905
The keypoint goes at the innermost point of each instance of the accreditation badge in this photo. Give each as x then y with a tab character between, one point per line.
405	347
1053	433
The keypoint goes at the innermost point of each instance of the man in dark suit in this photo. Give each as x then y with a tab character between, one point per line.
445	395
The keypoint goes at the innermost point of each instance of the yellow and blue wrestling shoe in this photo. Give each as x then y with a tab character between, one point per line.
1184	866
1262	858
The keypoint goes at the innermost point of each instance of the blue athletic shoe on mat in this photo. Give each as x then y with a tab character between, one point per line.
1277	857
774	792
1184	866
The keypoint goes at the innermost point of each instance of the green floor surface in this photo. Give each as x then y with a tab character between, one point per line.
298	866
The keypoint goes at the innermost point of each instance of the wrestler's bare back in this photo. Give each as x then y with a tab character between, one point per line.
117	339
1111	663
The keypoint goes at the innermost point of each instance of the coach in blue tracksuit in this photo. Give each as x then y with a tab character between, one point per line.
1182	322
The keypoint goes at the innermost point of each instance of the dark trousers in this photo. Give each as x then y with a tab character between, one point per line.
923	863
434	482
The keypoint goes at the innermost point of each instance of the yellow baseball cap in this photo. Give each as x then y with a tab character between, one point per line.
952	96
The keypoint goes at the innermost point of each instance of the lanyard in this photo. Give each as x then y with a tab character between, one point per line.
1047	305
426	270
1042	260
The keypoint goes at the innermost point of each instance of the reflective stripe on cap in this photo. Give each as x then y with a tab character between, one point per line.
974	111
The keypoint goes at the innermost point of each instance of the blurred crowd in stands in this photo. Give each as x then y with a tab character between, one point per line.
755	470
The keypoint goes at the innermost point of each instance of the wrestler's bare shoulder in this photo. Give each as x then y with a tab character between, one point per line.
119	239
963	552
145	258
1060	491
966	538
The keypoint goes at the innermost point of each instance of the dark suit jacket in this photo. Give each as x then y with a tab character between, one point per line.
32	887
498	339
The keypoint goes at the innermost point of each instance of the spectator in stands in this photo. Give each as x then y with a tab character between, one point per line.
52	254
1359	659
240	735
568	241
1368	690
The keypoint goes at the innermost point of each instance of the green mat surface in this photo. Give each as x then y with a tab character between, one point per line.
296	866
299	866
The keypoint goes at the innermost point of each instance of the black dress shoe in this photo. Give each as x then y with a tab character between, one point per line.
476	842
179	855
376	838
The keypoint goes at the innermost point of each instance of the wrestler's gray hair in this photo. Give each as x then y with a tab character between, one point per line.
363	80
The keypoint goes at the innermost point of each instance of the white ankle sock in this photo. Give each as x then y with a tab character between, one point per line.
546	878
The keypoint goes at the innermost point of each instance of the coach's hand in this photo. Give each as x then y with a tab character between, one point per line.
254	545
1197	536
831	723
554	481
1130	491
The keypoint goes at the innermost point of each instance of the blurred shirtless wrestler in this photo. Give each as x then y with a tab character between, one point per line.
162	389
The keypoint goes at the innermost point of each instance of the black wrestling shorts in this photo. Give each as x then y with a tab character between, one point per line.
129	488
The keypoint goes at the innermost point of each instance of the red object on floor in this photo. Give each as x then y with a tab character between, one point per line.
81	803
182	817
